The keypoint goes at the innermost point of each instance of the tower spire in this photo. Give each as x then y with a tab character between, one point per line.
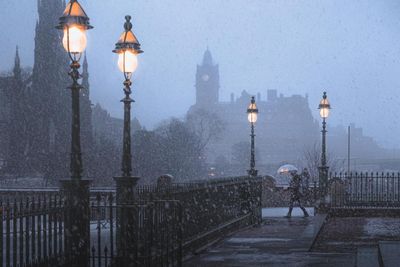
85	76
17	64
207	58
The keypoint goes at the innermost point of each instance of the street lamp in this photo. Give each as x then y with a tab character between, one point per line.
324	108
127	48
74	22
252	113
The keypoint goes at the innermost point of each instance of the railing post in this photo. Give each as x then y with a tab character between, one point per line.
126	217
244	197
76	222
324	194
1	234
257	208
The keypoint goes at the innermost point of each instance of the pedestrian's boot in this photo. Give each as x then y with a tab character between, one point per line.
289	214
305	212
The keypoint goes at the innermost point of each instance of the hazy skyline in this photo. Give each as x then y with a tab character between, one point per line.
351	49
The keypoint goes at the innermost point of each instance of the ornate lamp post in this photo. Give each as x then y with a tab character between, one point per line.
324	108
252	113
74	22
127	48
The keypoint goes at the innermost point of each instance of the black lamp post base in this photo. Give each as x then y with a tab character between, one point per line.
322	207
323	180
126	186
77	223
252	172
126	219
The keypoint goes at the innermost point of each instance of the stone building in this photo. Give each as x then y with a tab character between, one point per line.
284	128
286	131
35	110
14	106
36	113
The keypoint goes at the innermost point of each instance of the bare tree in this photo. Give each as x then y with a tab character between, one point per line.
206	125
311	159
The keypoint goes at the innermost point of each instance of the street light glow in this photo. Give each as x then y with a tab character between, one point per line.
74	23
252	117
127	48
127	62
252	111
74	39
324	107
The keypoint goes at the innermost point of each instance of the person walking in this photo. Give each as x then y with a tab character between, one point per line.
306	178
295	193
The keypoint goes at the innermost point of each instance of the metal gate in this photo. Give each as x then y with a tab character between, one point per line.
156	239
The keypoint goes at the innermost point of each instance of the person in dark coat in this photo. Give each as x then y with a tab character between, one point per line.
306	178
295	194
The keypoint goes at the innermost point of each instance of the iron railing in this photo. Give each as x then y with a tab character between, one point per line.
167	221
31	232
157	233
365	190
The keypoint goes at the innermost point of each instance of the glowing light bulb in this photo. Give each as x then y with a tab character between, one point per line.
127	62
324	113
76	37
252	117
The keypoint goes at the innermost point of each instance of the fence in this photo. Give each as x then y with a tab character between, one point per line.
206	205
156	233
177	219
166	223
365	190
31	232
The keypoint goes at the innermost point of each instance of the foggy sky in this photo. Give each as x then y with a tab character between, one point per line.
351	49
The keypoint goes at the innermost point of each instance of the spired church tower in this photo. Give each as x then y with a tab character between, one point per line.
207	82
17	126
50	122
87	142
50	137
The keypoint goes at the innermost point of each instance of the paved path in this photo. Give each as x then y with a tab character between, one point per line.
351	233
277	242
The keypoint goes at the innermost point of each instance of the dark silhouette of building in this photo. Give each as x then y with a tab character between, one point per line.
38	108
285	124
207	82
286	131
13	103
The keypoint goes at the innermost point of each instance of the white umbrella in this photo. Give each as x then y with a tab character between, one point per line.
287	168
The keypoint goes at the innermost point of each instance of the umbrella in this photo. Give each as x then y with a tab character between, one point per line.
286	169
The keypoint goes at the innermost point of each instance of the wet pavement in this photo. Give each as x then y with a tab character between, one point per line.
349	234
277	242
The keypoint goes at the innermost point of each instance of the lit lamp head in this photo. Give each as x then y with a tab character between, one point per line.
252	111
324	107
127	48
74	22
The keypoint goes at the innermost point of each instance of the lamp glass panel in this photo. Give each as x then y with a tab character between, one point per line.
252	117
77	39
127	61
324	112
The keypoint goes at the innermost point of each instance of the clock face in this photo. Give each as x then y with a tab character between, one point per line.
205	77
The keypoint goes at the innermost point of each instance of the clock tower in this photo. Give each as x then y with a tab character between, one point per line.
207	82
